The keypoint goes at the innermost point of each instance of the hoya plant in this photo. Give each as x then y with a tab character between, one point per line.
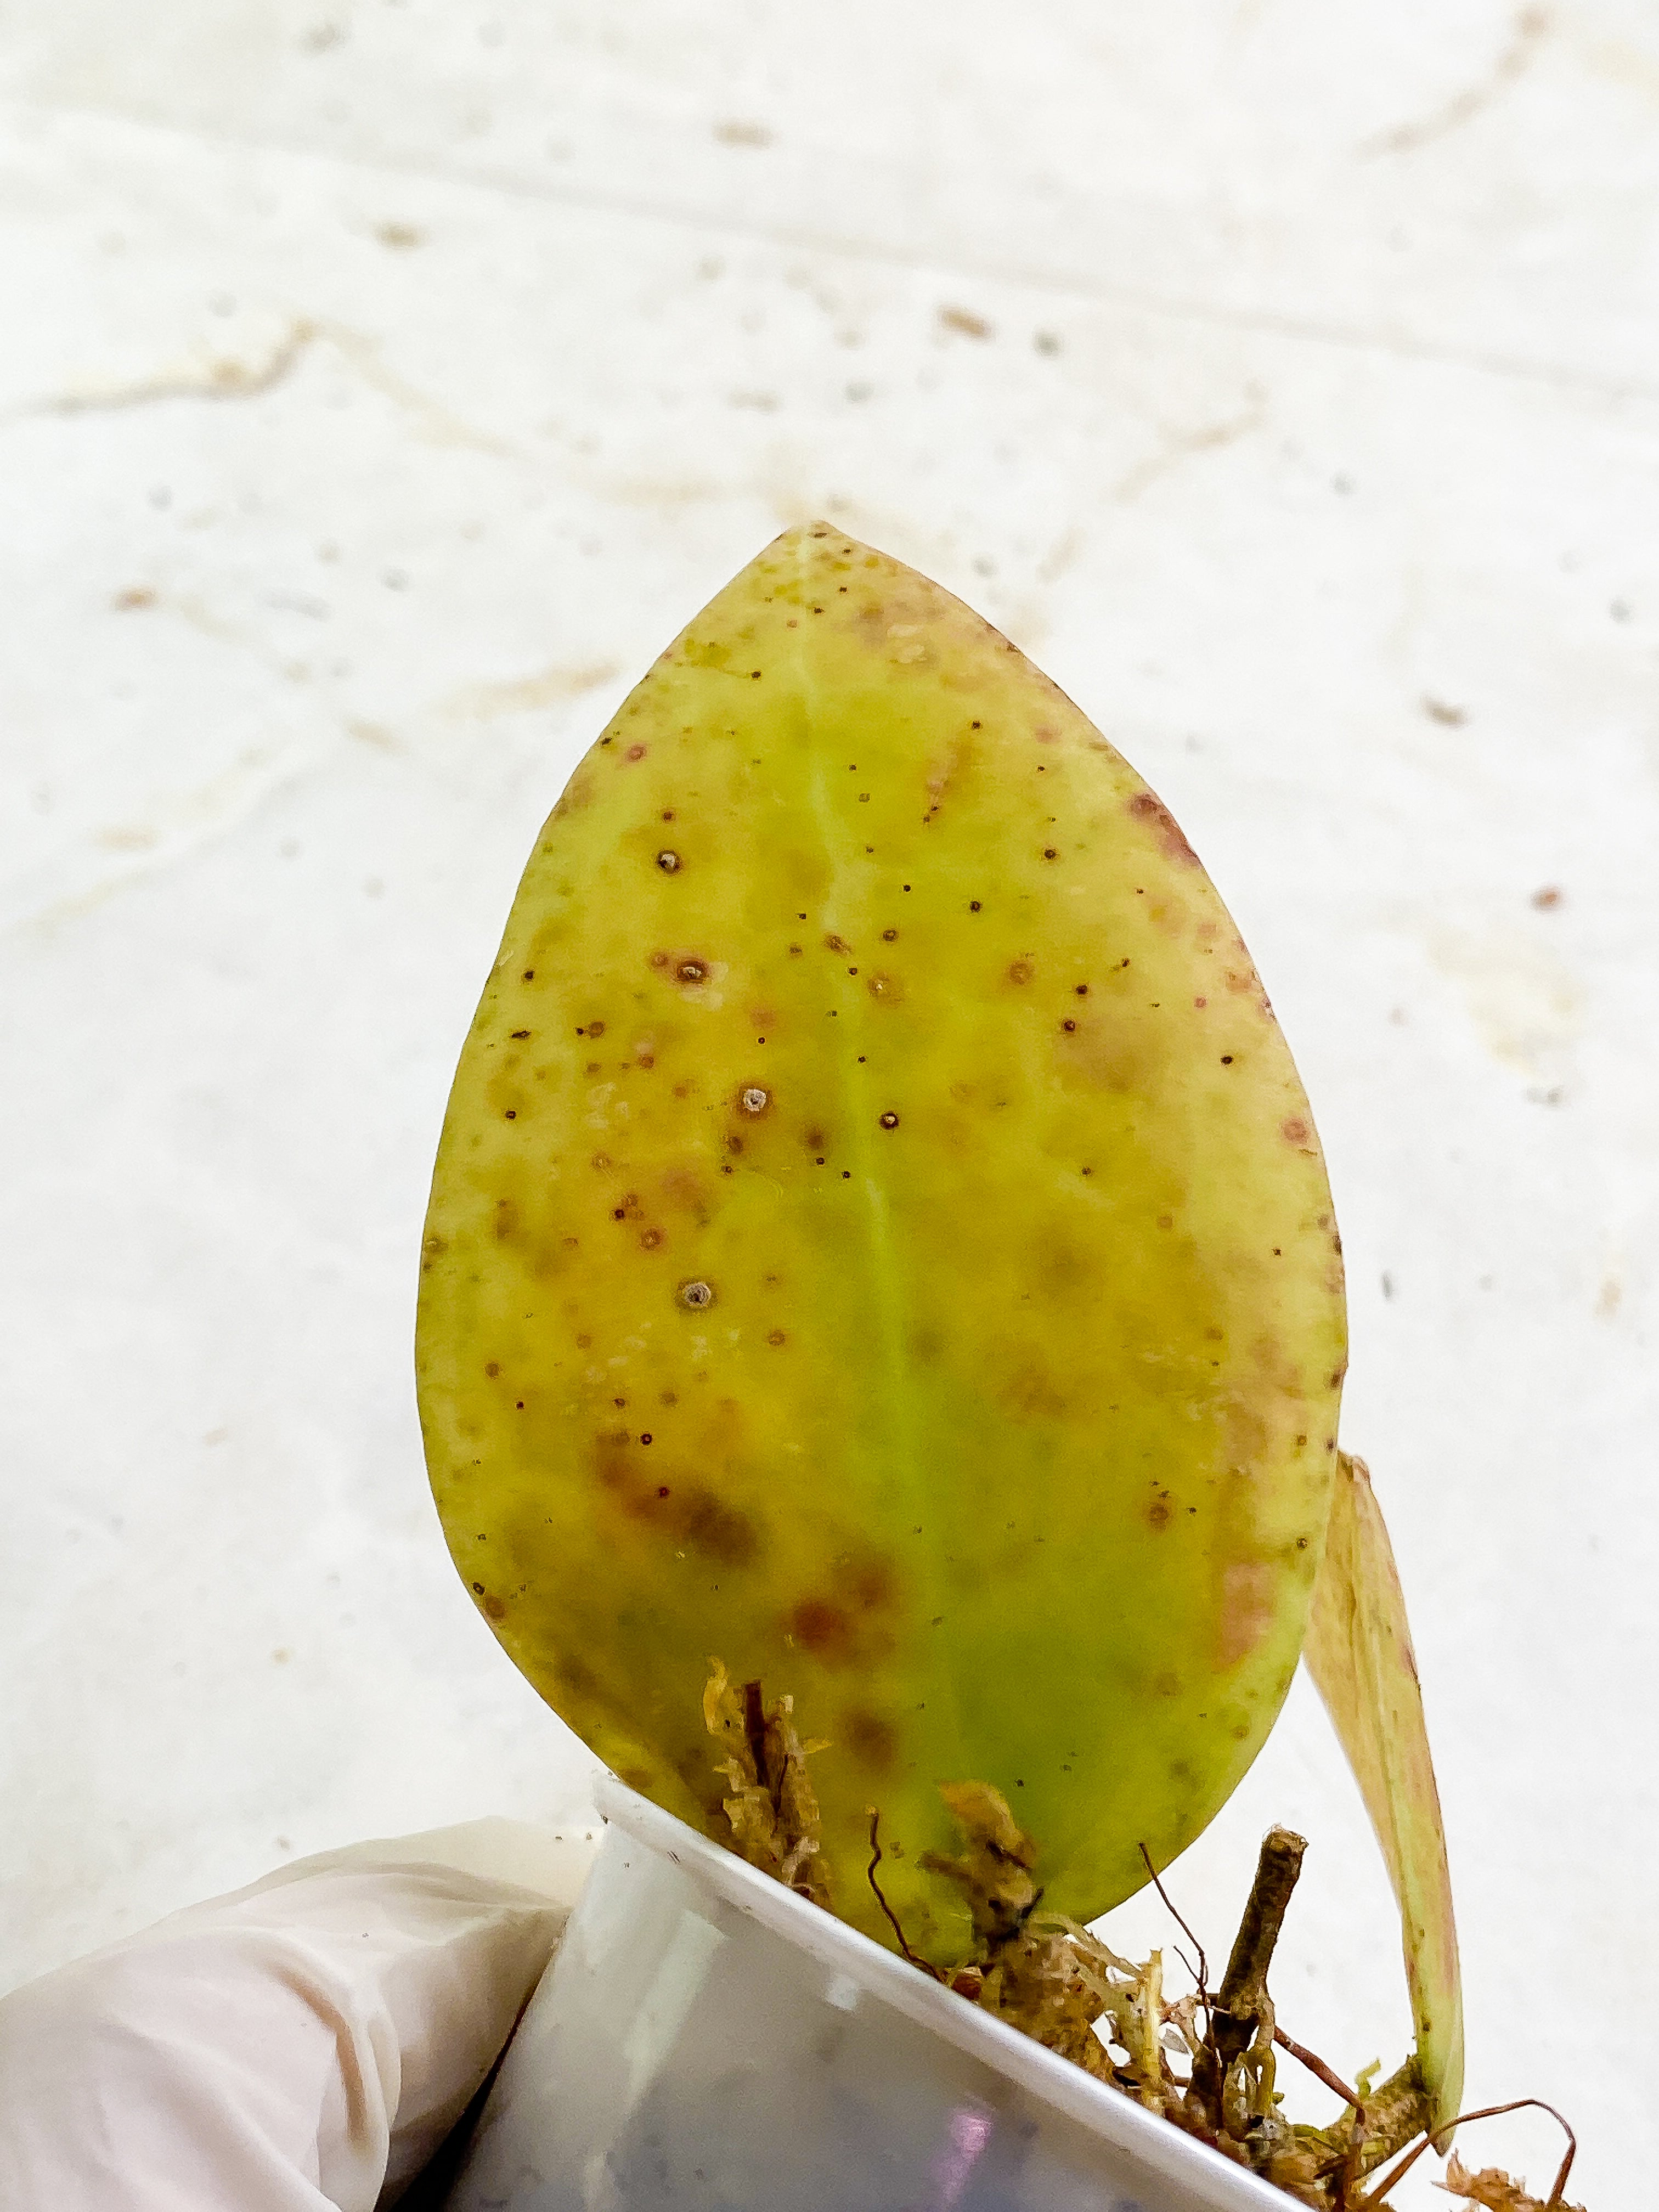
883	1301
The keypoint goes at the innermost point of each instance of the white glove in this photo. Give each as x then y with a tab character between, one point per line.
303	2044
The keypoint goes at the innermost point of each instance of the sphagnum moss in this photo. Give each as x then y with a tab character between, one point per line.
879	1237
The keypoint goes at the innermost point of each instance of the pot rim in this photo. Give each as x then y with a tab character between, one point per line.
1155	2143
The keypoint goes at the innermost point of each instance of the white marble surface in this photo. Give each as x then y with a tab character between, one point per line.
382	385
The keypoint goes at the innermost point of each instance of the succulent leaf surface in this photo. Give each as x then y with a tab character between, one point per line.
879	1238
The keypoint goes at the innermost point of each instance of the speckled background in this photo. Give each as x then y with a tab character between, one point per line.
383	385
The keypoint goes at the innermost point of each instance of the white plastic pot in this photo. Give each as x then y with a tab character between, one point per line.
707	2041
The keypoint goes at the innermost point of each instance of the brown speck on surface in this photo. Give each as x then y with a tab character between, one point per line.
1068	1025
583	1343
753	1099
1050	852
1441	710
690	971
1146	806
697	1295
1166	1221
1019	971
889	1120
1226	1060
740	131
1294	1129
594	1029
777	1336
511	1114
650	1239
1158	1513
964	322
492	1368
1547	898
529	974
794	952
668	862
888	936
659	960
834	944
634	753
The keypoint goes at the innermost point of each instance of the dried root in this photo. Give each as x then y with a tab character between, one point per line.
1493	2189
773	1808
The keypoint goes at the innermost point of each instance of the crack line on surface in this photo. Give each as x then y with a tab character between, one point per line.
226	378
1526	35
1179	446
1049	283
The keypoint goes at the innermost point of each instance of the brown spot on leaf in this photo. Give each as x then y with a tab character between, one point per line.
869	1738
717	1530
1246	1609
1294	1129
1146	806
821	1628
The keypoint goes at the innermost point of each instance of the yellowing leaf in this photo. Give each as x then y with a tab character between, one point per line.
1358	1651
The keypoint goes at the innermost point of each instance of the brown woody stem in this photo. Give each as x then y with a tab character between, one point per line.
1245	1982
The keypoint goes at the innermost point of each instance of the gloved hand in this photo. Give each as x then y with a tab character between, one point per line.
305	2044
